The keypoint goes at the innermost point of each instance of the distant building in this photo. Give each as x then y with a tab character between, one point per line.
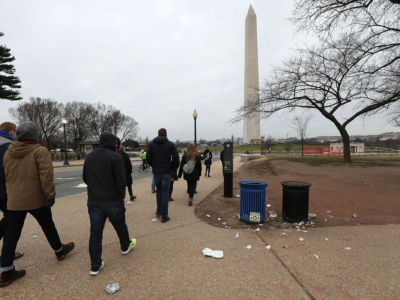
337	148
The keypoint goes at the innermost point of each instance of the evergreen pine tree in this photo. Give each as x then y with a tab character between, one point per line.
9	84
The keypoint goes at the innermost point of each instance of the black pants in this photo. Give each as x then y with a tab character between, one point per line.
98	214
16	219
208	168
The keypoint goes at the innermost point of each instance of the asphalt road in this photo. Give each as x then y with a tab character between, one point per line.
68	180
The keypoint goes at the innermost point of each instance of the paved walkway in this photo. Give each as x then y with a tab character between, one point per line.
167	262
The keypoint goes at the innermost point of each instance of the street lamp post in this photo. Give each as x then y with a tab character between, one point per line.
261	145
66	163
195	115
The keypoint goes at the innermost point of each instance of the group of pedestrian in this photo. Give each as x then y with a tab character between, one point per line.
27	186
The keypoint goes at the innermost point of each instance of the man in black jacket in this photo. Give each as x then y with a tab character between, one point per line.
105	178
164	159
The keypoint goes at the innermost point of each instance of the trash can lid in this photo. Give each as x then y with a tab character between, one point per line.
296	184
253	183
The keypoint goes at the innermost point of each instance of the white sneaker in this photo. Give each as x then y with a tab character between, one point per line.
95	271
129	202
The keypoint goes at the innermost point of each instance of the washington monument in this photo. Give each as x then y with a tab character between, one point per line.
251	125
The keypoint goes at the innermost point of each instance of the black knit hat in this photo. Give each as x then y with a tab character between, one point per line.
28	131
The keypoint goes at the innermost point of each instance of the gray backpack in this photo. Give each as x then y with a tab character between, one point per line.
189	167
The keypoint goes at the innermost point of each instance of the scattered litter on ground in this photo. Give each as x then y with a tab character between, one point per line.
248	246
326	239
328	211
223	223
257	229
268	247
237	235
269	205
208	216
34	236
154	220
354	216
227	227
272	214
326	220
219	219
284	233
316	256
237	196
347	248
285	246
304	230
301	239
310	216
238	216
81	185
213	253
112	288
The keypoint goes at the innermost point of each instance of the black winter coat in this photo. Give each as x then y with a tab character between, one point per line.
103	172
195	175
162	156
127	168
207	154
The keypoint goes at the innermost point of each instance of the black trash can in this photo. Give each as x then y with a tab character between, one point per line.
295	201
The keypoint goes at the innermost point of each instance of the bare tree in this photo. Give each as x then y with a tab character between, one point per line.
109	118
78	116
336	75
300	124
46	113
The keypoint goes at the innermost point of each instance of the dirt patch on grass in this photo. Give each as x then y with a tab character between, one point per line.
337	192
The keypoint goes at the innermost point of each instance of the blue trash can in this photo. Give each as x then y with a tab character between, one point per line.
252	201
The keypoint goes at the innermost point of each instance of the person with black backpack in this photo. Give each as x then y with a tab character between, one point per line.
190	167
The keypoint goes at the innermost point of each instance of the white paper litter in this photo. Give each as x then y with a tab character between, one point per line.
312	216
34	236
208	216
354	216
326	220
268	247
272	214
316	256
248	246
347	248
257	229
237	196
269	205
153	220
112	288
326	239
237	235
219	219
81	185
223	223
301	239
213	253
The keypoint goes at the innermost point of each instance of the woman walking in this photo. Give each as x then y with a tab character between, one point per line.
191	168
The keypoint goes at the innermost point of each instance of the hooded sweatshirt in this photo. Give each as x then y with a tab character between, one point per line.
162	156
103	172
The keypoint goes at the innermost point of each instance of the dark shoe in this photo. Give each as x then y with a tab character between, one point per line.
133	197
209	176
95	270
158	214
8	277
164	219
170	198
18	254
67	248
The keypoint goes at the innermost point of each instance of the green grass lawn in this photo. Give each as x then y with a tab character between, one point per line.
365	160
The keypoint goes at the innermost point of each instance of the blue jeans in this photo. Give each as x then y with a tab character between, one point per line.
98	213
162	193
13	231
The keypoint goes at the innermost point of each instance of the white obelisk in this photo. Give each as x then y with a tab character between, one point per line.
251	125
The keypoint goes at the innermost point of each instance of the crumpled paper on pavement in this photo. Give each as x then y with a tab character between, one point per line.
213	253
112	288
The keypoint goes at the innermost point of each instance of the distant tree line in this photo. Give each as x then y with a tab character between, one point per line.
84	120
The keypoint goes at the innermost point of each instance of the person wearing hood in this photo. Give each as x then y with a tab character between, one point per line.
30	189
163	157
7	135
104	174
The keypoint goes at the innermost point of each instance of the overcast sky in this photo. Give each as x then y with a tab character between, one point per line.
156	60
